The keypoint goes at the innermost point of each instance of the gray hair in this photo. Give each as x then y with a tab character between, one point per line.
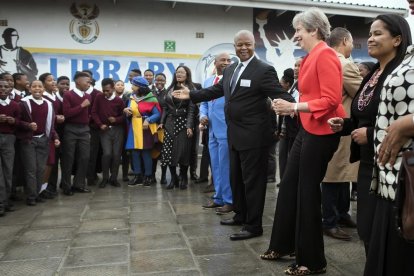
313	19
243	32
337	36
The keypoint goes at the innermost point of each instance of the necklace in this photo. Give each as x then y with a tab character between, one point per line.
365	98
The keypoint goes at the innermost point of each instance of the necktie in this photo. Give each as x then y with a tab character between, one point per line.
216	80
235	77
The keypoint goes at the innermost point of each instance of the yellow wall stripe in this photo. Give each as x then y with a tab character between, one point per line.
111	53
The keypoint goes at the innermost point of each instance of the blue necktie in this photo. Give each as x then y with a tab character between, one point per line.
235	77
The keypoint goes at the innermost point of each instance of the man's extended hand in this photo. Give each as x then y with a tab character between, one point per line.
182	94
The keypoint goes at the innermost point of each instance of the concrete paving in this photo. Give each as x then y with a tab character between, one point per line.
144	231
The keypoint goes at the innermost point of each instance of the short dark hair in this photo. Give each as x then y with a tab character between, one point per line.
107	81
61	78
149	70
81	75
288	76
137	71
43	77
2	75
337	36
161	74
17	76
88	71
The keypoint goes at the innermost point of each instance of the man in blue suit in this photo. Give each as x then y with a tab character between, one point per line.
212	115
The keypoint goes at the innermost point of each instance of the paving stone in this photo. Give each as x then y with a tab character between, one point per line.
151	216
9	231
108	204
20	217
153	228
103	270
171	273
116	197
345	253
44	267
63	211
215	245
4	243
100	238
54	234
103	224
209	217
188	208
94	214
194	231
158	242
163	260
25	251
150	206
235	264
354	268
56	221
97	255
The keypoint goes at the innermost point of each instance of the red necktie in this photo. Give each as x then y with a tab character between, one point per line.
216	80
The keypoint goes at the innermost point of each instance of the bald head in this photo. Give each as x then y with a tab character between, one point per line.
221	62
244	45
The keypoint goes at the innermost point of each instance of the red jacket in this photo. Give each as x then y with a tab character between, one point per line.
320	85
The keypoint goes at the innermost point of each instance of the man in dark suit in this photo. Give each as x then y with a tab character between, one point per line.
246	87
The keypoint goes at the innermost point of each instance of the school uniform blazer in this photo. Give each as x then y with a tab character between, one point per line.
320	85
246	109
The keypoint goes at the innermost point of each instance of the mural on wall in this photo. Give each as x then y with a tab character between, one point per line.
16	59
274	35
84	29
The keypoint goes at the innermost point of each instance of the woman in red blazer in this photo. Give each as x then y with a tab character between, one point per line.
297	226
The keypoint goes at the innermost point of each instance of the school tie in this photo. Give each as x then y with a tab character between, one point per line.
235	77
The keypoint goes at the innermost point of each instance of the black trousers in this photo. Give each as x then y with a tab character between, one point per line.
285	145
112	141
54	174
335	203
95	145
194	147
271	168
6	166
248	173
205	157
297	226
75	141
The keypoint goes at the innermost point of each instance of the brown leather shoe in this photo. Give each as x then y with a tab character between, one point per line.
211	204
348	222
227	208
337	233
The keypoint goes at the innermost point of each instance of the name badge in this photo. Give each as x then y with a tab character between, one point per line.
245	83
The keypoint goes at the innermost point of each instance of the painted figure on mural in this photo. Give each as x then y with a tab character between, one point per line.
15	59
281	55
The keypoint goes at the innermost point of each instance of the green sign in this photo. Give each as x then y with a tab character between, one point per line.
169	45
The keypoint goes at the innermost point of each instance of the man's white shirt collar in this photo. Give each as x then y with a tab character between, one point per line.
112	97
78	92
49	95
5	102
38	102
90	89
246	62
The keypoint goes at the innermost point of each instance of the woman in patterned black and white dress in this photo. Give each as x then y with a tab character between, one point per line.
388	253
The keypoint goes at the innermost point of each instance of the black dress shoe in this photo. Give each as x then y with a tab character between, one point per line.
2	211
31	202
135	181
68	192
201	180
347	222
39	199
80	190
115	183
244	235
9	208
194	176
103	183
337	233
230	222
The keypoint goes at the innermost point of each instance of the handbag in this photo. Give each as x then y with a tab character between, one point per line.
404	200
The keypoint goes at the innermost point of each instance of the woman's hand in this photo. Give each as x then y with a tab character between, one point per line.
189	132
359	136
128	111
392	142
57	143
282	107
145	124
60	119
336	124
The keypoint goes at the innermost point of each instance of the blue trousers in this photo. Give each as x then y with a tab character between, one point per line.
146	157
220	167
